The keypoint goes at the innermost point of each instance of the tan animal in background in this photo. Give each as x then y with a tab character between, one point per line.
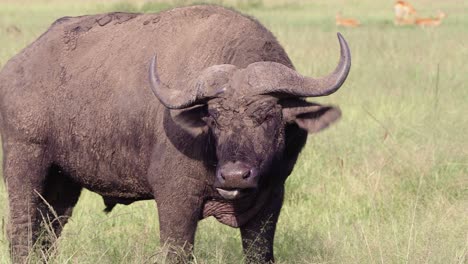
431	22
346	22
404	13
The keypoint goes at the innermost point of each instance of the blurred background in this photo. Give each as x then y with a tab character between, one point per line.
386	184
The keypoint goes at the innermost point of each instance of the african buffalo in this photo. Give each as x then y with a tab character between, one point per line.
212	126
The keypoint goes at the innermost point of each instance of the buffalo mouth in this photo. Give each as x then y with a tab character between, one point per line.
235	193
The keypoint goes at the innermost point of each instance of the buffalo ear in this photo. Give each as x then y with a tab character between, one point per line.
191	120
311	117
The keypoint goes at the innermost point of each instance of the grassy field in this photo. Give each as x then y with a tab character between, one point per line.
387	184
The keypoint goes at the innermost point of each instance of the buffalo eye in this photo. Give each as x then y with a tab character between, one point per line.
210	121
259	117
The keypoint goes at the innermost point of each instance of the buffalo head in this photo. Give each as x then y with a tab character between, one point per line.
247	111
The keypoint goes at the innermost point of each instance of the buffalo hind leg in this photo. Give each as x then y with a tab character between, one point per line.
31	180
258	234
60	196
24	170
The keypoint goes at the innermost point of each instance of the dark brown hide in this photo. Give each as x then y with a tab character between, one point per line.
77	111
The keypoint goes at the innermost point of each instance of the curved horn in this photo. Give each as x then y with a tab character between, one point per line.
171	98
275	78
209	84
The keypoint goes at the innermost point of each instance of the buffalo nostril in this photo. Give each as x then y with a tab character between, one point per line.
222	176
246	174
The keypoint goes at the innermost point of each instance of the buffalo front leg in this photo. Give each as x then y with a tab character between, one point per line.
179	212
25	167
259	232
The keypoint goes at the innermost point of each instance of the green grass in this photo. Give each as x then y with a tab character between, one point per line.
387	184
